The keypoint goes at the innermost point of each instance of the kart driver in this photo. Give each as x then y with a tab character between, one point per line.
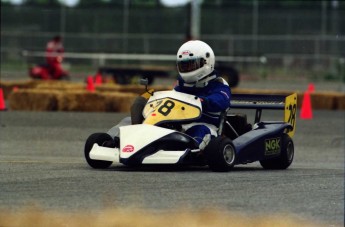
195	64
54	57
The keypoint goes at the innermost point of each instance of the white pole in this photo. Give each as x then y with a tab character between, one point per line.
195	19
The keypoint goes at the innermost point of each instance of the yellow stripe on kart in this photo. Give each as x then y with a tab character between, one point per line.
169	109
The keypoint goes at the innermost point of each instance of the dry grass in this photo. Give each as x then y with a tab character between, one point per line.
144	218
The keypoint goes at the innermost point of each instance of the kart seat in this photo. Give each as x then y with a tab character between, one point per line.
234	125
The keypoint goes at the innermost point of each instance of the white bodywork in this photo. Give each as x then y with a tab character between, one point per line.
104	153
147	134
134	137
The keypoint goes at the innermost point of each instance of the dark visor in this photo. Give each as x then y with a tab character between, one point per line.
190	65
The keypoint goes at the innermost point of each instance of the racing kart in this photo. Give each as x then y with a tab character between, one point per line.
45	72
156	135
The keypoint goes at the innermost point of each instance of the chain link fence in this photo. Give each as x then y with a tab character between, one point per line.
306	38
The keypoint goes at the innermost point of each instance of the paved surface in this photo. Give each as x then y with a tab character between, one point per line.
41	161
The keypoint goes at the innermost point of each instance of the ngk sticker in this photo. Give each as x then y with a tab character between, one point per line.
272	146
185	52
128	148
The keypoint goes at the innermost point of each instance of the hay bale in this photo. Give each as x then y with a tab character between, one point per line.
109	87
340	101
322	101
48	100
328	100
300	96
68	96
33	100
60	85
119	101
81	101
8	86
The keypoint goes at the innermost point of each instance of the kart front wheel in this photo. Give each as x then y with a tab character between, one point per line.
220	154
284	160
100	139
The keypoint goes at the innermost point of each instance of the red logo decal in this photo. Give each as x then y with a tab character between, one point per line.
185	52
128	148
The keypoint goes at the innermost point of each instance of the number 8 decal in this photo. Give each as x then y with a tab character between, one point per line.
166	108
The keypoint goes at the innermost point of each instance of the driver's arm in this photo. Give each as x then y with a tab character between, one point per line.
217	99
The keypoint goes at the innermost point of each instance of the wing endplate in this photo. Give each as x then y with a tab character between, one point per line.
290	112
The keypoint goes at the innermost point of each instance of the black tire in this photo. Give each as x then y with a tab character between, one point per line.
220	154
284	160
98	138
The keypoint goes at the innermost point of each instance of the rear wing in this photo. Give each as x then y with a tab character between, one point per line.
288	103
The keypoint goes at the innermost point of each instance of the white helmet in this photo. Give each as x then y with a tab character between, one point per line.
195	62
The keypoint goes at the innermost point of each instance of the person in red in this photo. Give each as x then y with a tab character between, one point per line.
54	57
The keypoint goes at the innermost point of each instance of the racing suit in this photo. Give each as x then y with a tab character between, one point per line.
54	56
215	98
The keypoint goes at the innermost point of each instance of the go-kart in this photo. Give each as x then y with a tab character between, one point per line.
160	139
45	72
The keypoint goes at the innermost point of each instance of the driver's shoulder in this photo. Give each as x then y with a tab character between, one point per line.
218	82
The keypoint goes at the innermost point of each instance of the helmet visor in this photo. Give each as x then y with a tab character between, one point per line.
190	65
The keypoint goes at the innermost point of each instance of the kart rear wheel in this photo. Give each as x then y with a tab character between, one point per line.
220	154
284	160
100	139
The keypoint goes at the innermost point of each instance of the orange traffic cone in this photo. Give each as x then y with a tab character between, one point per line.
306	110
98	79
311	87
90	86
2	100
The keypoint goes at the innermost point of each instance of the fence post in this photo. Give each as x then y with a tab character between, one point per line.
342	73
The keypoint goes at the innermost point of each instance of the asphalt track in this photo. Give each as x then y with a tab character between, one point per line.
41	162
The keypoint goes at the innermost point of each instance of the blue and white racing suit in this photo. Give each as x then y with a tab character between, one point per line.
215	98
